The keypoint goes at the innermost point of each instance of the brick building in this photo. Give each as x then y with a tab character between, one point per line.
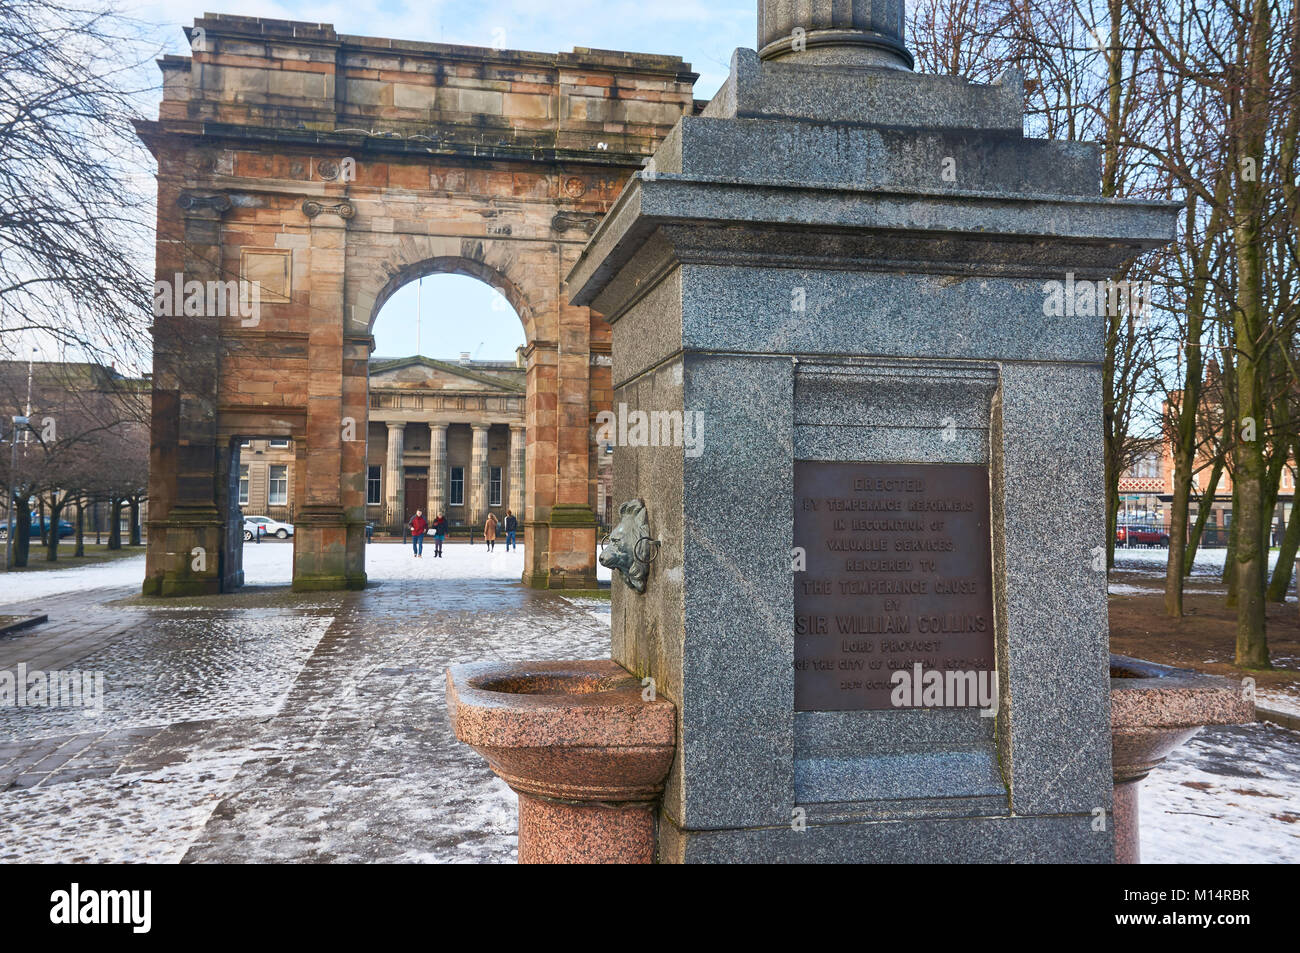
1146	488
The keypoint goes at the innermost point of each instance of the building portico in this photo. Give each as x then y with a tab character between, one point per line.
445	437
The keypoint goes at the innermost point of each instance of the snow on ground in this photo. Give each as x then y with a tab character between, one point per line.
1124	589
1152	561
278	730
271	564
1230	795
20	587
319	731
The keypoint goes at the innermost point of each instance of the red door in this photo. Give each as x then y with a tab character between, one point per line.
417	496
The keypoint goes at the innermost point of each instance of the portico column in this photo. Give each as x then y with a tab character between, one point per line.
517	437
437	470
479	476
394	487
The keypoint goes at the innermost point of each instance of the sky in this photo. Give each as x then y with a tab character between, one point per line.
456	314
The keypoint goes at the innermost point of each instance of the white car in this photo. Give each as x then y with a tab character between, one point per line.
268	526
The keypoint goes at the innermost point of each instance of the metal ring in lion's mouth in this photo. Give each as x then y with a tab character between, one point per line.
649	553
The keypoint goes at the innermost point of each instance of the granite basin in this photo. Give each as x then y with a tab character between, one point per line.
1154	709
586	753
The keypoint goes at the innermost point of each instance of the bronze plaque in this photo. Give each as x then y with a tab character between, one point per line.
898	572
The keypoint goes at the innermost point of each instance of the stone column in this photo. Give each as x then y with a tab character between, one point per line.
326	551
478	492
394	474
833	32
517	437
752	741
437	470
191	512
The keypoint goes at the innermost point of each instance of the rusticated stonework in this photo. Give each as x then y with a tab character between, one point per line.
334	169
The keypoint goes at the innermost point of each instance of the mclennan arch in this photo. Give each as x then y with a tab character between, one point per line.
331	170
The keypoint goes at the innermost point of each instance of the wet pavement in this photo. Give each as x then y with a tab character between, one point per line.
270	726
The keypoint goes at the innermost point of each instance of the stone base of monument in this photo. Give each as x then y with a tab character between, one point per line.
1153	710
583	744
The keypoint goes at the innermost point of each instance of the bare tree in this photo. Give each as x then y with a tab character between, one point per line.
87	438
74	213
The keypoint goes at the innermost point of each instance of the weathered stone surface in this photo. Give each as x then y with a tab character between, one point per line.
340	168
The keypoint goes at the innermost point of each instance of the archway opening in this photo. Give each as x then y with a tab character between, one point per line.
447	429
263	496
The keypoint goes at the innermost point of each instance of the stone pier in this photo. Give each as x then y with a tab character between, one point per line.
844	269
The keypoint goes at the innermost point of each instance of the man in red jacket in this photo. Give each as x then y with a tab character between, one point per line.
419	526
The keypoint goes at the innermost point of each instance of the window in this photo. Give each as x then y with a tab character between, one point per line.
374	489
495	487
278	491
278	444
246	443
243	485
1146	467
456	492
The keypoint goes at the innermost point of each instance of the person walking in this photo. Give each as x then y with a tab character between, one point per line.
439	534
512	527
419	526
490	532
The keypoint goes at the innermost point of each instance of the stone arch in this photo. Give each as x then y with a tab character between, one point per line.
345	167
421	256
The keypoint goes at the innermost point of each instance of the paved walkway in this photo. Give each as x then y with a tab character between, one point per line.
274	727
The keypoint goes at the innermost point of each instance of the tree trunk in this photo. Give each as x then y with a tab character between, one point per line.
1248	478
1202	514
1112	521
52	530
1277	589
80	549
115	526
135	521
1230	559
22	531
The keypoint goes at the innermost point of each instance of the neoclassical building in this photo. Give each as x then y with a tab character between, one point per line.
445	437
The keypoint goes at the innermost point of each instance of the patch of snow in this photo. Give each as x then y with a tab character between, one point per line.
1123	589
1153	561
1230	795
21	587
271	564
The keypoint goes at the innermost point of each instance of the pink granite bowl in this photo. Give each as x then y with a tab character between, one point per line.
1155	708
576	731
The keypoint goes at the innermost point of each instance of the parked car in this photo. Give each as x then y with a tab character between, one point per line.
268	526
1137	535
66	529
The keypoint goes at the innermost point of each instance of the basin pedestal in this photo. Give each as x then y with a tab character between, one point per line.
582	747
1154	709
